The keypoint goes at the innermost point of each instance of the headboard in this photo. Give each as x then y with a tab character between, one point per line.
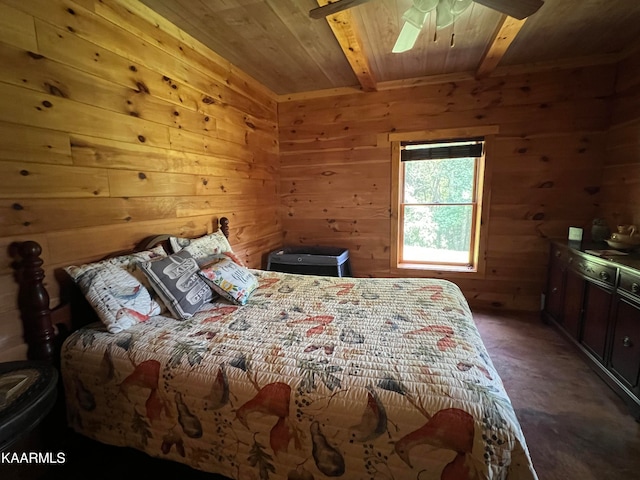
45	328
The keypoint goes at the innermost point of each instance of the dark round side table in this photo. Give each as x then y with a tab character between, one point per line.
28	392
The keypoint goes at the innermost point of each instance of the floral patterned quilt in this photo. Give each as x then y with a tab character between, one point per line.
314	377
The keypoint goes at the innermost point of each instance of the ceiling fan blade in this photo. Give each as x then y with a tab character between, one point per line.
335	7
514	8
407	38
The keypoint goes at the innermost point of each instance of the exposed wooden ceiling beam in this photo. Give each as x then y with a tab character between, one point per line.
348	36
506	32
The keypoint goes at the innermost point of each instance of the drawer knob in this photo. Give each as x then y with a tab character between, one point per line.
554	290
626	342
635	288
604	276
558	254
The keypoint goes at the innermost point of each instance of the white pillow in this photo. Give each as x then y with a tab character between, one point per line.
117	289
203	249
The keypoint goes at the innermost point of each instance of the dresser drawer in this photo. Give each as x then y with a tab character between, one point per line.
630	283
592	269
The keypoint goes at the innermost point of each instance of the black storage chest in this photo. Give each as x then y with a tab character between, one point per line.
329	261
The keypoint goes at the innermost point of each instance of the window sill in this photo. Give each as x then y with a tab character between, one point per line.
437	271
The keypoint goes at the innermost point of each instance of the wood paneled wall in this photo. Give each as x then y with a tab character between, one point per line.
116	125
620	199
546	169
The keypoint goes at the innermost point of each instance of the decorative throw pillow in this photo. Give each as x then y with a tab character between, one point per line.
175	278
230	280
117	289
203	249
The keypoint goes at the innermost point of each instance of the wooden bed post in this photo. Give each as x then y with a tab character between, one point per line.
224	226
33	301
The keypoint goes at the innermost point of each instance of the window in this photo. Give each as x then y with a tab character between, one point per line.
438	203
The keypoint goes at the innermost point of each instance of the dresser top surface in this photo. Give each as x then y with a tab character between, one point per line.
629	260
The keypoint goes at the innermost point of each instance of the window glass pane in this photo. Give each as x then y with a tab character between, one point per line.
437	233
439	181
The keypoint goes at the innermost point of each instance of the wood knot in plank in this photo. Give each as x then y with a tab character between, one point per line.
35	56
142	87
54	90
142	176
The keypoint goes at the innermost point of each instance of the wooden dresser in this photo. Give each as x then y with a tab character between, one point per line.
595	302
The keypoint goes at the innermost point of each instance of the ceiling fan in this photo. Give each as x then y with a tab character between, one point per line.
446	12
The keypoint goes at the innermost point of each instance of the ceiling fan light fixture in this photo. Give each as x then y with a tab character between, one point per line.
415	17
448	10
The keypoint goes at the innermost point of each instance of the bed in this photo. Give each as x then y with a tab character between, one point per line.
312	377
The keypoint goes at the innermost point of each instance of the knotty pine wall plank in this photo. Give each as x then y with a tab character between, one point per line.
621	178
95	29
586	115
36	180
28	107
17	28
99	152
113	129
31	144
129	13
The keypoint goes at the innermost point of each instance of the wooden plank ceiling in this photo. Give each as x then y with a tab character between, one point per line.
276	41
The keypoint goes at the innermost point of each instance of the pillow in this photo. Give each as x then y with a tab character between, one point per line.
175	278
230	280
117	290
203	249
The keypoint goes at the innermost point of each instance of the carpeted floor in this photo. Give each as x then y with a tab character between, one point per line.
576	427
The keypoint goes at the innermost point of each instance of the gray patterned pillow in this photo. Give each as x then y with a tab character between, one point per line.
175	278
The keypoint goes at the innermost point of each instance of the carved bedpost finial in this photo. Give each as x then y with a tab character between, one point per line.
224	226
33	301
